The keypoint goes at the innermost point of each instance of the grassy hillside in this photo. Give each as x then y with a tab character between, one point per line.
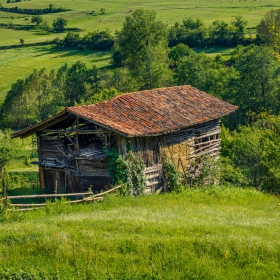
19	63
214	233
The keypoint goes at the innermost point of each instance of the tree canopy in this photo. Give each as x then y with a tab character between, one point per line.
141	46
59	24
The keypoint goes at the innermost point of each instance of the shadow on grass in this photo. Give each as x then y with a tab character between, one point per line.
69	52
18	27
223	51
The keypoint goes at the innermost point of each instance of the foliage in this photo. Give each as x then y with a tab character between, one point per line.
98	40
178	52
269	29
201	71
7	148
172	175
43	93
127	171
253	152
194	33
256	88
37	19
204	171
141	46
19	10
105	94
59	24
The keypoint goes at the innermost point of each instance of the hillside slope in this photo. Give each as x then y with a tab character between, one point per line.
214	233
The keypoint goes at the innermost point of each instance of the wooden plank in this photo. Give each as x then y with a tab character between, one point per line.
48	195
113	189
95	174
62	131
62	195
217	131
148	184
88	199
74	130
41	170
76	138
27	204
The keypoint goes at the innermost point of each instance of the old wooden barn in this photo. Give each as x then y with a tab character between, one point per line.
181	122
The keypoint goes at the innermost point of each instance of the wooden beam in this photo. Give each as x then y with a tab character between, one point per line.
48	195
62	195
41	169
50	123
73	130
76	138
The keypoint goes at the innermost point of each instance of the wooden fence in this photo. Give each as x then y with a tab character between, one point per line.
87	197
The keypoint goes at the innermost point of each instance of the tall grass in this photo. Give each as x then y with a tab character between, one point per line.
215	233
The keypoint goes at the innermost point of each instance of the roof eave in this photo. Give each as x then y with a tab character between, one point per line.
41	125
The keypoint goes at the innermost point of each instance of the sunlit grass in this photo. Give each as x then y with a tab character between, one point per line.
168	11
214	233
19	63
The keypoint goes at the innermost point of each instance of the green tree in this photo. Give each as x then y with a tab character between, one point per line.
201	71
37	19
141	46
14	106
252	154
269	29
257	86
59	24
239	24
76	87
191	32
220	33
7	150
179	52
71	39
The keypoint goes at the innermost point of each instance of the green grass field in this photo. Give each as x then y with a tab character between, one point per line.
115	11
19	63
214	233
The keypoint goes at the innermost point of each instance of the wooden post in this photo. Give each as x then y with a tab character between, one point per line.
76	138
41	169
77	152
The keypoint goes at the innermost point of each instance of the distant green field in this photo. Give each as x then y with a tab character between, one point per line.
79	17
205	233
19	63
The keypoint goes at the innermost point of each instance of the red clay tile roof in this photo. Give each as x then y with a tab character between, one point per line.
153	112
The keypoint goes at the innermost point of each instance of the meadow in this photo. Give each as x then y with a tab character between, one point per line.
85	16
200	233
19	63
